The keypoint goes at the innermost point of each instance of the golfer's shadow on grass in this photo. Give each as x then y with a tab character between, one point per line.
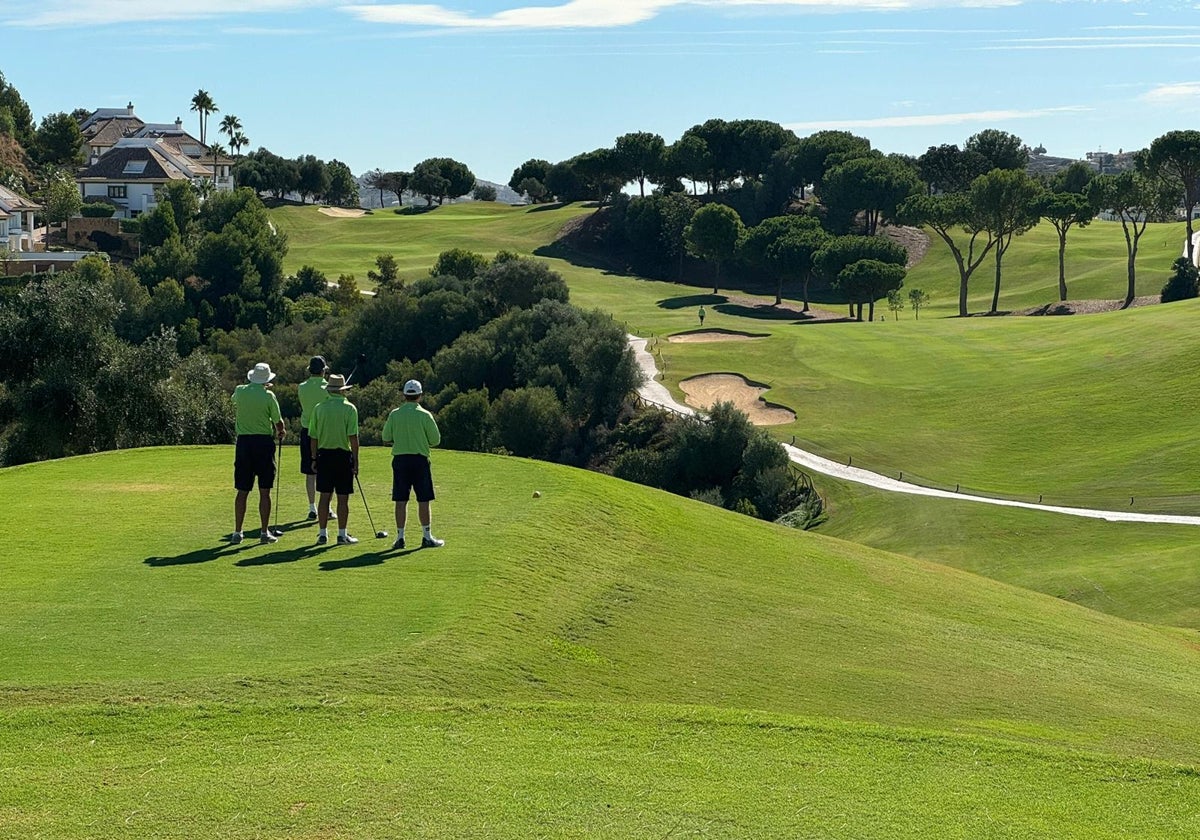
200	555
278	556
361	561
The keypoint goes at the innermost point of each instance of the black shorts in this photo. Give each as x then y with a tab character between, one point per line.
335	472
306	460
411	472
254	457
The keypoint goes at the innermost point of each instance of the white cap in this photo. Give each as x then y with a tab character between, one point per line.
412	388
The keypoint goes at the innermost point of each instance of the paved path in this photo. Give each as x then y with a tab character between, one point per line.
654	391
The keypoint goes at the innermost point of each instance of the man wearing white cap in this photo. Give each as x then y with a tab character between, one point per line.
259	424
411	430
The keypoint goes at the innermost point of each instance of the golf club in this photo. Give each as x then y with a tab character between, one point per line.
379	535
278	480
362	357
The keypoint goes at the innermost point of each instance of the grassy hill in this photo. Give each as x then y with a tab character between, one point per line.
350	245
604	659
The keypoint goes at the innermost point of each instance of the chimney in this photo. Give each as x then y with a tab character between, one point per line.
178	123
129	109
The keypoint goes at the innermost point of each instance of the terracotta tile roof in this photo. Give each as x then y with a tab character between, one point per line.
109	132
115	166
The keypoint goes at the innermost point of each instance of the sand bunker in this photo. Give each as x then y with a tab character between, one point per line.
711	335
342	212
707	389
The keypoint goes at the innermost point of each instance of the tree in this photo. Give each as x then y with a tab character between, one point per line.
1001	149
483	192
917	298
867	281
1007	203
238	142
713	235
641	155
230	125
397	182
843	251
533	189
1175	157
823	150
59	141
343	186
876	186
459	262
688	157
791	257
951	216
1182	284
1135	198
15	117
948	169
600	173
534	168
895	303
564	183
203	105
313	177
442	178
1065	210
755	247
61	198
388	276
376	179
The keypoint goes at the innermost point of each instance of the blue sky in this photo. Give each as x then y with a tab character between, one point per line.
495	82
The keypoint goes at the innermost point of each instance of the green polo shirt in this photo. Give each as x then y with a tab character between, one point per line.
312	393
333	423
257	410
411	430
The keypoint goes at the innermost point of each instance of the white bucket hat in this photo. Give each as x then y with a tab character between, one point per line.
261	374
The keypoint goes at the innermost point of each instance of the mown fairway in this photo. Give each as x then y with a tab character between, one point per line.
349	246
603	660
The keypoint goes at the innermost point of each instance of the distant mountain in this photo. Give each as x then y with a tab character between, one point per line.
369	198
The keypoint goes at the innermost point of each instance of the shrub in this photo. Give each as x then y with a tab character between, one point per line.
1183	284
97	211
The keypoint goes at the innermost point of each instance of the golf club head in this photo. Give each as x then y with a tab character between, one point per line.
381	535
276	532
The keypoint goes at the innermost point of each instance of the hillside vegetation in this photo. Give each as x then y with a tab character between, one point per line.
605	658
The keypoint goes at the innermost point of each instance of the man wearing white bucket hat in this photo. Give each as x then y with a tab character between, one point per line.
259	424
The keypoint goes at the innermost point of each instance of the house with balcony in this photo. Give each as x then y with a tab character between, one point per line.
220	167
130	172
16	221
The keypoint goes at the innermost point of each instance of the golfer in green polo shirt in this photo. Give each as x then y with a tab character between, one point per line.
333	442
411	430
312	393
259	424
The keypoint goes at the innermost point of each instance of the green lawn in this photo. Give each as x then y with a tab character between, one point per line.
350	245
602	660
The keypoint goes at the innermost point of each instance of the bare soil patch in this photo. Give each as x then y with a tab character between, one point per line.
1086	307
342	212
786	309
708	389
699	336
914	240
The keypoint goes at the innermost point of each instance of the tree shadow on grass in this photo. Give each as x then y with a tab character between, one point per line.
689	301
768	312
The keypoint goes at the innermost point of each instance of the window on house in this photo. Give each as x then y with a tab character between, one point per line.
117	191
134	167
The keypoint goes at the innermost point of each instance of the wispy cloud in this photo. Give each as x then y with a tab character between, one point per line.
605	14
61	13
1172	94
923	120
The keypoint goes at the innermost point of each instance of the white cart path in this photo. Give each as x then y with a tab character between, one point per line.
655	392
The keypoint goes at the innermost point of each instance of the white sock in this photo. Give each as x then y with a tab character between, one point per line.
312	507
341	532
399	533
324	532
426	530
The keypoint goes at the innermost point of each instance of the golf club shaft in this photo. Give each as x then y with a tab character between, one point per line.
366	507
278	479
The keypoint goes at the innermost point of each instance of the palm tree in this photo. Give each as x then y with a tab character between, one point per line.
216	150
229	126
203	104
236	141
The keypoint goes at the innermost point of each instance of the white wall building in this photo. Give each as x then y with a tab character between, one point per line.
16	221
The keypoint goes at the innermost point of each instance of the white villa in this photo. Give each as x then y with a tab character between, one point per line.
128	158
128	173
16	221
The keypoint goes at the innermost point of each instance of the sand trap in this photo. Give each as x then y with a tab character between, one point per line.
712	335
342	212
707	389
